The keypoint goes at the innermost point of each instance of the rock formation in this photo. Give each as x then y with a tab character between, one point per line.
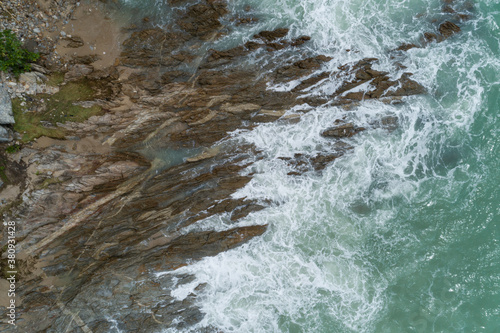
103	214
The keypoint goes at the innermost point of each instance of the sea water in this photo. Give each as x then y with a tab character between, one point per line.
402	233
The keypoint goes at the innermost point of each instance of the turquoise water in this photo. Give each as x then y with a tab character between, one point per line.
402	234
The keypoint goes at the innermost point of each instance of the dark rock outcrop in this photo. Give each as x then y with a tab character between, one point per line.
6	134
300	68
202	20
448	29
342	131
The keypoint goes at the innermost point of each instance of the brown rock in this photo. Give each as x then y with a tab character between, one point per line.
210	243
447	29
358	96
78	71
311	81
389	122
406	47
202	19
174	76
218	58
407	87
448	9
275	46
86	60
320	161
430	37
300	68
246	20
272	35
151	47
343	131
361	74
252	46
74	42
299	41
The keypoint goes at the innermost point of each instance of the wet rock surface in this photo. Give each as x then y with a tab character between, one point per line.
103	216
6	134
342	131
447	29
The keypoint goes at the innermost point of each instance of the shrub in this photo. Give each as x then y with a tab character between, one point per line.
12	56
13	149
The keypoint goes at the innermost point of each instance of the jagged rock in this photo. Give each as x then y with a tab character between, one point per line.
407	87
273	35
300	68
74	42
151	47
320	161
219	58
86	59
342	131
448	9
383	86
209	243
360	95
174	76
78	71
30	79
300	40
252	45
311	81
430	37
246	20
31	45
302	163
447	29
6	134
39	69
202	19
6	115
406	47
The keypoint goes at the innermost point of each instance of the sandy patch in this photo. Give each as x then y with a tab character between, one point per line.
102	36
10	193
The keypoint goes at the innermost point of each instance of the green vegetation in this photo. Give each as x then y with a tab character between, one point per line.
3	176
40	116
13	149
12	56
55	79
49	181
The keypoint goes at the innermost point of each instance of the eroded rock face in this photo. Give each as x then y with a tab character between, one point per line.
342	131
78	71
6	134
203	19
98	233
447	29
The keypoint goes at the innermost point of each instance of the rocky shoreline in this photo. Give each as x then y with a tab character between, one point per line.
101	208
